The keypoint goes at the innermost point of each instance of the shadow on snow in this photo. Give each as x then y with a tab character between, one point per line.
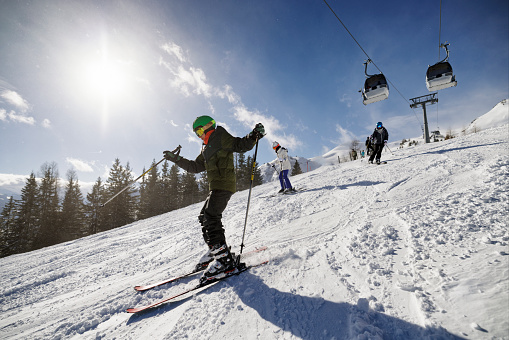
316	318
312	317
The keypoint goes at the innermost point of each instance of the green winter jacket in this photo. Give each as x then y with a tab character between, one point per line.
217	158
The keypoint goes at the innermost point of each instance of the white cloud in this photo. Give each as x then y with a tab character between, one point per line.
11	179
13	98
191	80
346	99
46	123
273	128
106	174
79	164
175	50
344	136
228	93
21	105
21	118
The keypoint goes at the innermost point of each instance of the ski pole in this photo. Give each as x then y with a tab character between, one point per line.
177	150
389	149
249	198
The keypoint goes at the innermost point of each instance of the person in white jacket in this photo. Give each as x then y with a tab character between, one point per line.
284	166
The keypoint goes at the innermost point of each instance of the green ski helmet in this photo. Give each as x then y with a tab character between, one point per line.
203	124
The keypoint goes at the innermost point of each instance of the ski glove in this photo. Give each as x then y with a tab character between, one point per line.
385	142
171	156
258	132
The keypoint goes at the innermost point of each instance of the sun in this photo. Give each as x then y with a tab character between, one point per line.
107	78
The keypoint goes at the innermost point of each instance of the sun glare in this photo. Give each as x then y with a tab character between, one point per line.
106	78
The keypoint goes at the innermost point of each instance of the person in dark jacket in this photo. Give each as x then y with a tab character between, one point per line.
379	139
369	146
216	158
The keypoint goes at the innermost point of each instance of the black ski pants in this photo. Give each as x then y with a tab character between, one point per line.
377	153
211	214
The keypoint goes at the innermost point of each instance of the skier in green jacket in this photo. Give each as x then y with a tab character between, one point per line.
216	158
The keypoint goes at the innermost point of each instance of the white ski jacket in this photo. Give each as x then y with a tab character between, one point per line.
283	159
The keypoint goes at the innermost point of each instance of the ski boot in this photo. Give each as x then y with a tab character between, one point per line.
224	264
204	261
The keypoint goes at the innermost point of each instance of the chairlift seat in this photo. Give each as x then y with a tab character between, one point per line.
375	89
439	76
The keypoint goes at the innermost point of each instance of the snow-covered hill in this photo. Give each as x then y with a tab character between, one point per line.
414	249
497	116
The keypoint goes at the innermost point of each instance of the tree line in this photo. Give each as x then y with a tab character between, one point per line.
43	217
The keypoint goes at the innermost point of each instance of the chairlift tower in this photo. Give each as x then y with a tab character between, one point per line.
423	100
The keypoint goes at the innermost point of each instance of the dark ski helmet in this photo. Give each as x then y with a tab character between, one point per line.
379	125
203	124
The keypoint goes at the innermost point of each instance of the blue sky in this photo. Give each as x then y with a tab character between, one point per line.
85	82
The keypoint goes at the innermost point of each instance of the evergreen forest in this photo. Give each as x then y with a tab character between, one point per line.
50	212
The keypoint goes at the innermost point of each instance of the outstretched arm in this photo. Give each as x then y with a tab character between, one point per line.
196	166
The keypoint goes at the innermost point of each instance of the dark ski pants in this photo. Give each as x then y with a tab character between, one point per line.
377	153
211	214
284	181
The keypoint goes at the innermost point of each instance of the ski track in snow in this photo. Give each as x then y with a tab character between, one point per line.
415	249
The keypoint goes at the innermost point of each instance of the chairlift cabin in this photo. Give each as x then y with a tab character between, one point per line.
375	87
439	76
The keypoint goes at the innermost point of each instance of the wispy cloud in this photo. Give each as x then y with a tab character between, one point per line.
191	80
344	136
13	98
19	108
11	179
273	127
175	50
46	123
346	99
80	165
19	118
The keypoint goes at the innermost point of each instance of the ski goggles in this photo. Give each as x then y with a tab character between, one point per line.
200	130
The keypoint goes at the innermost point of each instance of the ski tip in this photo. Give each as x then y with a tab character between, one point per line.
133	310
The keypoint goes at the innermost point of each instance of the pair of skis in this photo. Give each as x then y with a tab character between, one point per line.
194	288
297	190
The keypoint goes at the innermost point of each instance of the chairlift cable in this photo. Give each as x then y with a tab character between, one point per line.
439	44
369	58
440	30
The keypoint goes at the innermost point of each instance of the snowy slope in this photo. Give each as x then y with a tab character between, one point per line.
414	249
497	116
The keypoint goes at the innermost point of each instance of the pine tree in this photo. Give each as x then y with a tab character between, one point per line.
170	188
121	210
189	189
203	186
9	234
257	178
48	202
150	194
93	208
28	216
73	210
165	188
296	168
242	172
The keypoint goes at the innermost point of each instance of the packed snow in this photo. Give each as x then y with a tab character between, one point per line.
413	249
